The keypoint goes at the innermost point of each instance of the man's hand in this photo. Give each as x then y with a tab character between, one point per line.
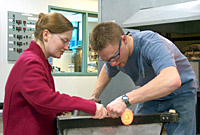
93	98
101	112
116	108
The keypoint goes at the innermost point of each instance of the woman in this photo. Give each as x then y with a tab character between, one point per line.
31	103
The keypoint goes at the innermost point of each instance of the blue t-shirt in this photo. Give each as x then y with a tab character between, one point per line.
152	53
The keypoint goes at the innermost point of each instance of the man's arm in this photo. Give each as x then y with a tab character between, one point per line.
162	85
102	82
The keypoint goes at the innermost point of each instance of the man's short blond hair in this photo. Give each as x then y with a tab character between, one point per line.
105	33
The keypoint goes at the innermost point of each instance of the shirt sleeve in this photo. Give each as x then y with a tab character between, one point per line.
159	51
35	87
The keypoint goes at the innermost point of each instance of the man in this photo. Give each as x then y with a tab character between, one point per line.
153	62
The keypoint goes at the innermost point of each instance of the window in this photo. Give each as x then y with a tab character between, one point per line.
92	61
79	59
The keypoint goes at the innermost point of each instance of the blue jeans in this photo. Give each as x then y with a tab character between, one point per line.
185	106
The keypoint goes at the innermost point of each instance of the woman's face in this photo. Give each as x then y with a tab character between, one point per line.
57	44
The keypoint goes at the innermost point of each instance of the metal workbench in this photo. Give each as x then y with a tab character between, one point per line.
143	124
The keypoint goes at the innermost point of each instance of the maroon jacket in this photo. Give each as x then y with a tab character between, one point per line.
31	103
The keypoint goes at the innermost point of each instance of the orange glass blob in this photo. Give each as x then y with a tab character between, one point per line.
127	117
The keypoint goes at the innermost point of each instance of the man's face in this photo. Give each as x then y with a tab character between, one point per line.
113	54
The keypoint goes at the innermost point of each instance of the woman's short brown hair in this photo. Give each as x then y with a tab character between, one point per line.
53	22
105	33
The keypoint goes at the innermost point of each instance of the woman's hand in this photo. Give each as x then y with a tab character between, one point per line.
101	112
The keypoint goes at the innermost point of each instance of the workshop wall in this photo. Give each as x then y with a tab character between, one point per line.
74	85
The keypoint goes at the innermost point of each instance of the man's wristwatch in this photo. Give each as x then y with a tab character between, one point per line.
125	100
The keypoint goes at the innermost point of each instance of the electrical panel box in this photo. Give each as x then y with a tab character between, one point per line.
21	28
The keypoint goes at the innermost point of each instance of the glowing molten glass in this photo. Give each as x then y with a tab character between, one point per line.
127	117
